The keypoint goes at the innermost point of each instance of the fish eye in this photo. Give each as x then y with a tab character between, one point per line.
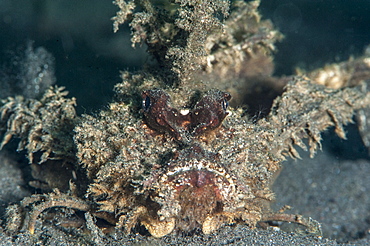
225	104
146	103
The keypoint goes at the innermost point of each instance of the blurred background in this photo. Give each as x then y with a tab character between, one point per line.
88	55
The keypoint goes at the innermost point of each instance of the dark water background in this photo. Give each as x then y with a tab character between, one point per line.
88	55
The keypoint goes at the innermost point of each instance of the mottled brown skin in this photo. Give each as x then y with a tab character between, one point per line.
160	116
197	186
209	112
194	191
197	182
192	179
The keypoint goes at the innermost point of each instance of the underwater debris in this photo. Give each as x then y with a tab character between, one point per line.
192	37
44	125
33	206
45	129
348	74
172	156
174	32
